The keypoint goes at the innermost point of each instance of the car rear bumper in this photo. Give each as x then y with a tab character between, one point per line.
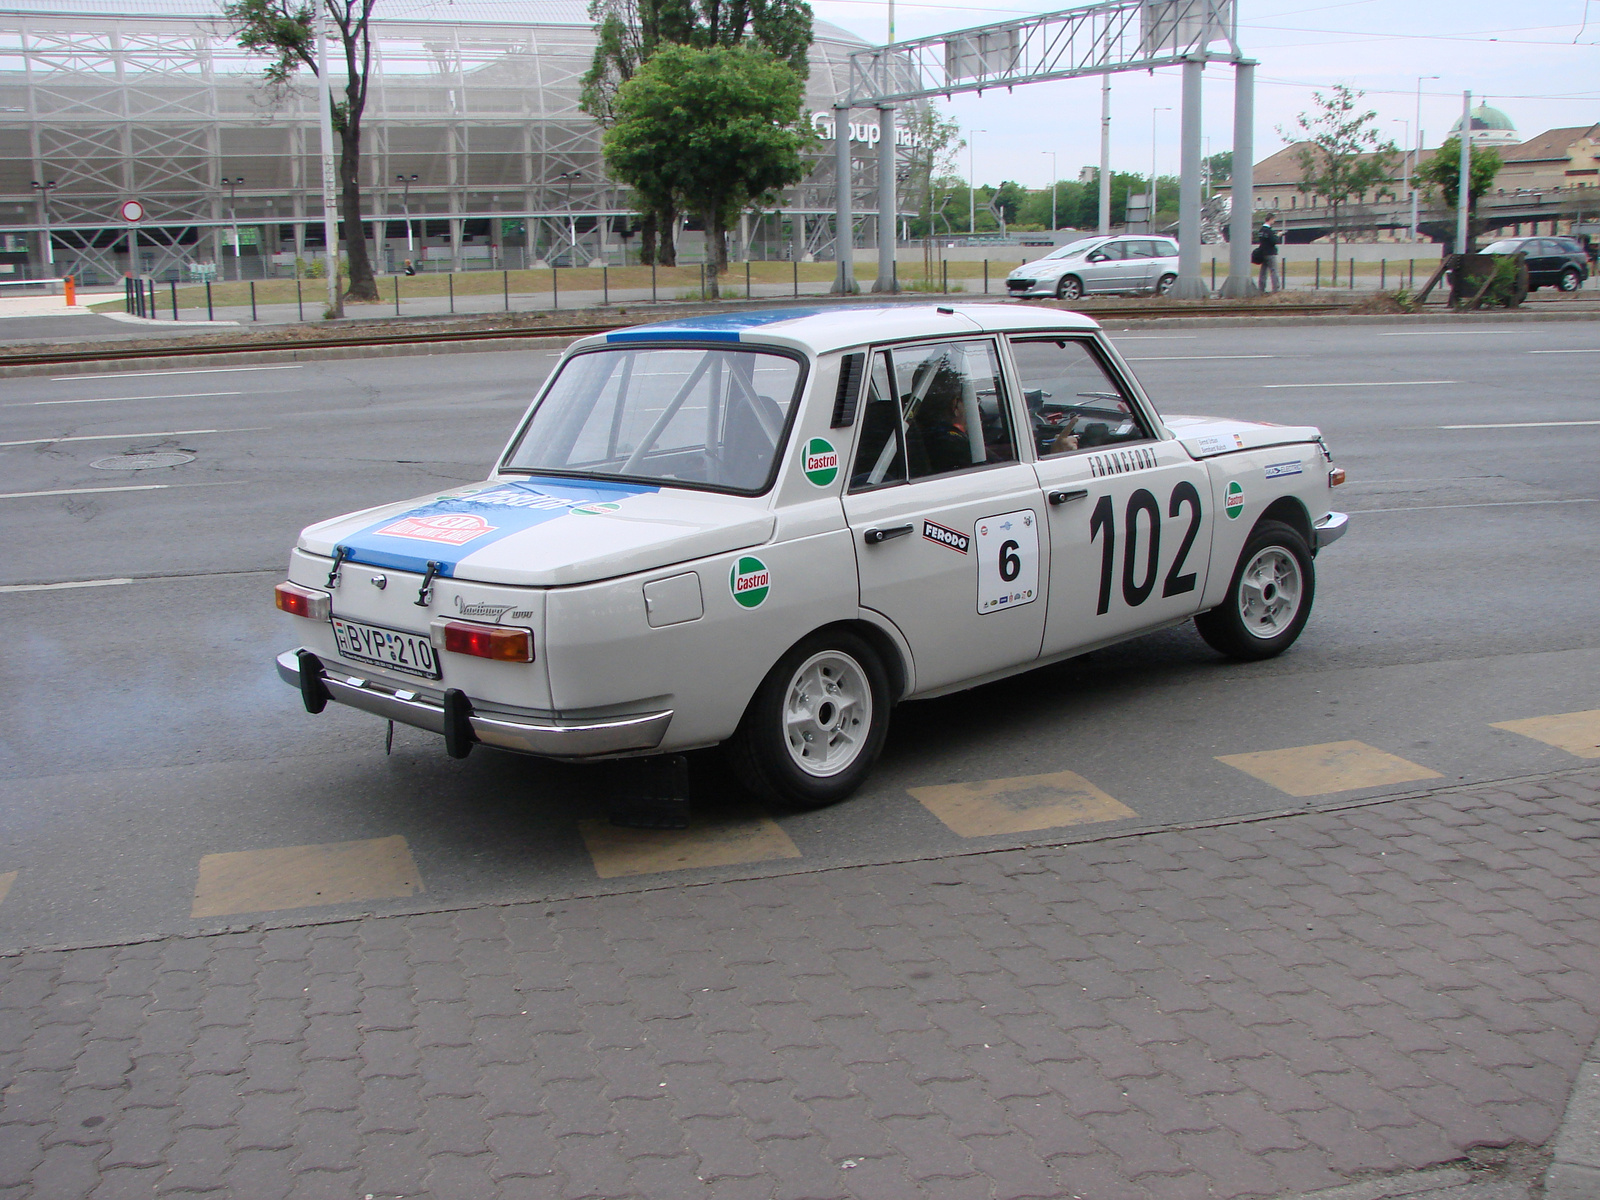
1329	530
548	737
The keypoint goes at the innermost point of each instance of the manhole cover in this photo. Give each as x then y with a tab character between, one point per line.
142	461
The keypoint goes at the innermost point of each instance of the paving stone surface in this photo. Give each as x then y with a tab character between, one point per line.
1265	1008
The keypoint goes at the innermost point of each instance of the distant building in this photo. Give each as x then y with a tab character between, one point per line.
1490	127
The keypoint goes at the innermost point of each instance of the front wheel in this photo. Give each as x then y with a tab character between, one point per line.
1570	280
1070	288
1164	284
1269	597
816	725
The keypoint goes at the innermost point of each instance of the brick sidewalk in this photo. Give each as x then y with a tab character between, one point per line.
1246	1010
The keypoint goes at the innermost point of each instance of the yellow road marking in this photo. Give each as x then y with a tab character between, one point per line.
618	852
1021	804
303	876
7	878
1576	732
1329	767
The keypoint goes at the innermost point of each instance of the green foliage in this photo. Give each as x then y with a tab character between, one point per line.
1503	291
277	28
1221	165
1342	156
935	141
1443	171
716	129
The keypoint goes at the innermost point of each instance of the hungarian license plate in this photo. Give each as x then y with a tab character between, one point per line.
411	653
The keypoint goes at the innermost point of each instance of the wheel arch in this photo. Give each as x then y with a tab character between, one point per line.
1292	513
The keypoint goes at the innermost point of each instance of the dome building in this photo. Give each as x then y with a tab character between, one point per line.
475	152
1490	127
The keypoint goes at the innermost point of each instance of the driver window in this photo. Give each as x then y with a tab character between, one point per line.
1073	402
1113	251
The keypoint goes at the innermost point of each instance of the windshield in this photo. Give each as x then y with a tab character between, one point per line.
685	417
1507	247
1066	251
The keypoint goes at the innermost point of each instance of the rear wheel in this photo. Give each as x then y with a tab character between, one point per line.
1070	288
817	723
1164	284
1269	597
1570	280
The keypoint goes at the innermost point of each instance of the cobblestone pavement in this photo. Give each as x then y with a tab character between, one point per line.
1250	1009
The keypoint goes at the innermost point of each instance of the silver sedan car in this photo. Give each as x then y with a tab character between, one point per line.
1126	263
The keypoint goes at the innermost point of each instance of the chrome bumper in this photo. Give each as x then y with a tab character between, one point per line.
1329	530
547	736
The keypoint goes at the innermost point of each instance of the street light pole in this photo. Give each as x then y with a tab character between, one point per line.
405	205
233	220
572	221
44	189
1053	174
972	185
1463	188
1105	155
1416	159
1150	212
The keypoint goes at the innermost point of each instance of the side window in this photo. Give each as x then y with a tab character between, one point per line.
1141	250
1073	402
880	447
1165	249
952	407
1114	251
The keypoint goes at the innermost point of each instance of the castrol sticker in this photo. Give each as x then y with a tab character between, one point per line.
750	581
1233	500
821	462
452	529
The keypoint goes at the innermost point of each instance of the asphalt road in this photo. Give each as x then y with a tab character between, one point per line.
142	726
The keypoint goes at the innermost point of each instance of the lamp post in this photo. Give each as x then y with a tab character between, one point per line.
1052	155
1416	158
1405	162
405	182
44	189
1150	213
972	185
231	184
572	221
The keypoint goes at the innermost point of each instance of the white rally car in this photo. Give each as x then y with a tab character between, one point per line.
767	529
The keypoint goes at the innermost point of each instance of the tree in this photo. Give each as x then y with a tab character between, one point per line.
719	128
629	32
1341	154
1220	165
1443	171
930	171
286	30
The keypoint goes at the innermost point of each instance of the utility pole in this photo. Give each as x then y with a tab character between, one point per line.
1416	159
330	218
405	205
1463	192
1105	155
233	221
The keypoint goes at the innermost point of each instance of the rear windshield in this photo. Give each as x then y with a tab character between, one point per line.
679	416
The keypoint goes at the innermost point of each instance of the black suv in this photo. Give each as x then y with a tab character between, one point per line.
1552	261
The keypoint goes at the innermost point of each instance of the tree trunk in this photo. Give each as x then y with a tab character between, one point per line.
667	235
1335	208
647	239
362	285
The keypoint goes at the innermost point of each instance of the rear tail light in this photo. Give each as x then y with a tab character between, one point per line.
486	641
303	602
1335	476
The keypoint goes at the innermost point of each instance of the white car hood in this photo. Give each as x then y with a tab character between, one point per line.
544	531
1207	437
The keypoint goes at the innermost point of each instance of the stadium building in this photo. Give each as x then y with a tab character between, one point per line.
475	152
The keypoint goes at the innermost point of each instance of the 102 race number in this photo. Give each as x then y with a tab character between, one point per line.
1139	569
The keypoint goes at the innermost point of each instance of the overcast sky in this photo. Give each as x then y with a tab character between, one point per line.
1537	61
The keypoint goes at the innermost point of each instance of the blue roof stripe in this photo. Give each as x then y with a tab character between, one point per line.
714	327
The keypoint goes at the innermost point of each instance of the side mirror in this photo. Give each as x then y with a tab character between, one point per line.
1097	257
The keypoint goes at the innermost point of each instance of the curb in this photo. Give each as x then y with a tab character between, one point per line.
1574	1173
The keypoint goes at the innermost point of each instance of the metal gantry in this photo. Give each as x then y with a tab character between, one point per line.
1094	39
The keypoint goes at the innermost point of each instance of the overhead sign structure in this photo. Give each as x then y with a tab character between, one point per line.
1094	39
132	211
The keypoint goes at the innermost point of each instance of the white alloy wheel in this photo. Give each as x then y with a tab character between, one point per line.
827	713
1269	592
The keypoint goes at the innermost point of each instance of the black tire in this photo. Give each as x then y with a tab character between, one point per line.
1251	622
760	750
1164	284
1571	281
1069	288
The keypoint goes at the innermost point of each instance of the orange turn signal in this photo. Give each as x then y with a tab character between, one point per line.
488	641
303	602
1335	476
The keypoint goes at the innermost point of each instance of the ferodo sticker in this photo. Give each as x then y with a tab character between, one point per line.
821	462
1008	560
596	510
750	581
943	535
1233	500
452	529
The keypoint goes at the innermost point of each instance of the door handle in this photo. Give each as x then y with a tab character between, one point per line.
874	536
1073	494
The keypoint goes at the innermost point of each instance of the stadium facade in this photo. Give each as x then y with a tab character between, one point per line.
475	151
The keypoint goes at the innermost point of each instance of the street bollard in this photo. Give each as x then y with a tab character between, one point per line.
450	282
944	277
253	316
747	292
795	263
555	289
397	295
299	297
605	285
69	286
652	281
174	285
127	296
1411	267
1383	273
210	313
1318	283
1214	273
1352	274
505	288
986	277
154	311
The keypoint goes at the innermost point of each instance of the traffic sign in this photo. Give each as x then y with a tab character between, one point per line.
132	211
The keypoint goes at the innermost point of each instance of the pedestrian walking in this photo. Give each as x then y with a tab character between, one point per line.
1265	255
